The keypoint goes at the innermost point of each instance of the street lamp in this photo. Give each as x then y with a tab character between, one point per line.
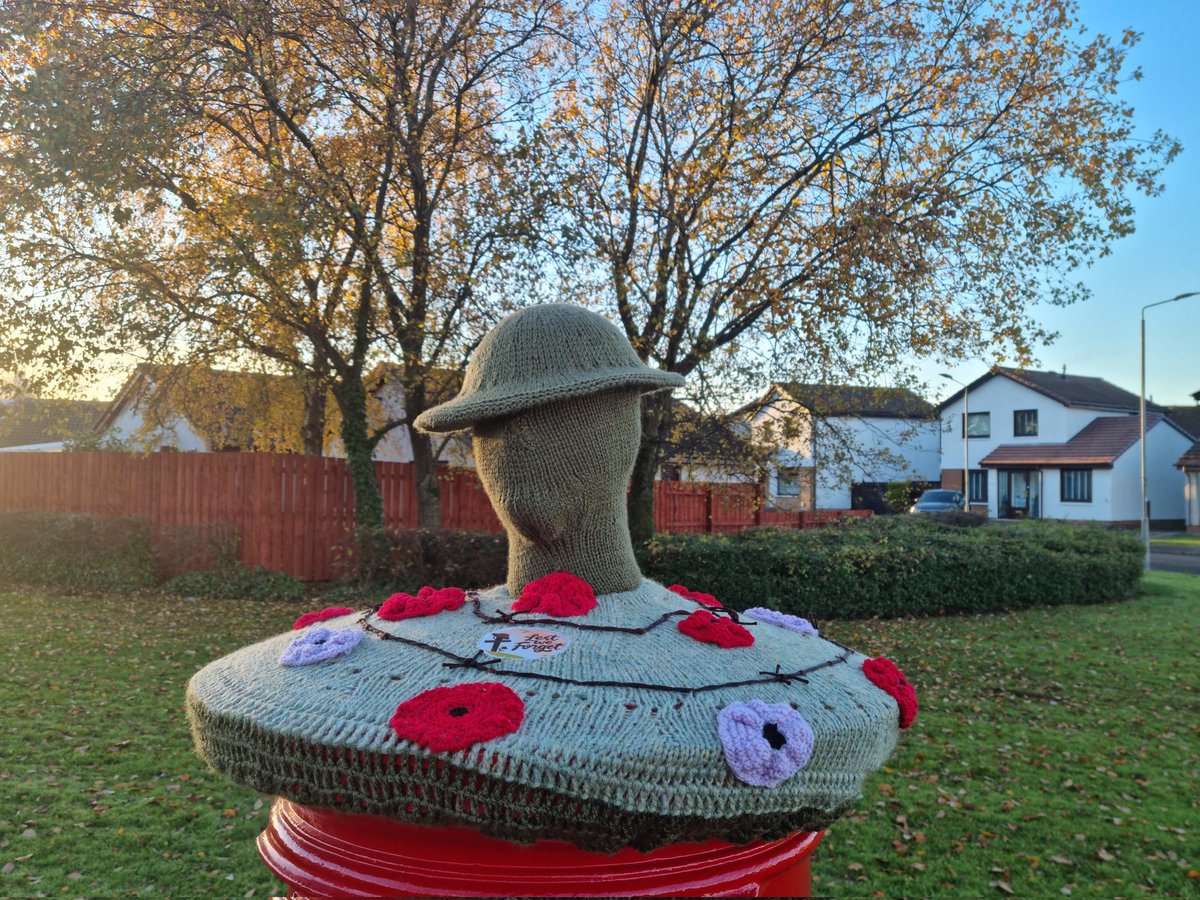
1142	408
966	470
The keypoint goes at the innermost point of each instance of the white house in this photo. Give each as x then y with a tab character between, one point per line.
1189	464
834	439
1058	446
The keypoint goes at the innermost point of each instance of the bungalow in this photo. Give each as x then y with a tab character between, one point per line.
838	442
44	425
1051	445
200	409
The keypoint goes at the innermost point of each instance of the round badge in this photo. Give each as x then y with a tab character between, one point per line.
523	643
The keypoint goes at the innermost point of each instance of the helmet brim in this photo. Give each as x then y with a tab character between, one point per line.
466	410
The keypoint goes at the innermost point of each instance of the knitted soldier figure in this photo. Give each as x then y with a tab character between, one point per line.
579	700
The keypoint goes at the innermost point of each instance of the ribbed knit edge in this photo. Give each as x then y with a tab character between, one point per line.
433	791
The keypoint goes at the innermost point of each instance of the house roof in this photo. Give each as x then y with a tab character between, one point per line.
1186	417
41	420
1191	459
1073	391
227	408
857	400
1096	446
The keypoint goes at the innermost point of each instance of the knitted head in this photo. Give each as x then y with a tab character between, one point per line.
561	500
553	396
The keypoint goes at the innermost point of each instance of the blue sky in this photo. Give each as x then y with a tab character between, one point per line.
1162	259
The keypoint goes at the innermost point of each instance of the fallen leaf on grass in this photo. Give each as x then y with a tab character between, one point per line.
1002	886
8	867
1104	855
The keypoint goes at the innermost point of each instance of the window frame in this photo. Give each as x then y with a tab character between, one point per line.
982	475
1086	482
1025	412
967	424
793	482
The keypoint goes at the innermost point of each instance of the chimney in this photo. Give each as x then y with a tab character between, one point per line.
1064	374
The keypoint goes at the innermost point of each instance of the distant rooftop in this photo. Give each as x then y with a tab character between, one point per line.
857	400
1076	391
1097	445
41	420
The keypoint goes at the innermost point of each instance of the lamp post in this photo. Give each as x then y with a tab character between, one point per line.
1142	411
966	468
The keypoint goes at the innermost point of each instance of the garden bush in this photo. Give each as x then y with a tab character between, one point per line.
903	565
408	560
235	582
74	552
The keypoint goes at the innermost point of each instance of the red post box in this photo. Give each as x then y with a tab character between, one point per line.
325	853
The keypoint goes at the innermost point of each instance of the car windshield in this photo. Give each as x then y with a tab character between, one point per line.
939	497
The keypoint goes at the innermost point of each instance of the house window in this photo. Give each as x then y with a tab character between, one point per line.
979	424
978	491
787	482
1077	485
1025	423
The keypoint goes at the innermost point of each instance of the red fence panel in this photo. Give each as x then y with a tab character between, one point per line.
296	513
680	506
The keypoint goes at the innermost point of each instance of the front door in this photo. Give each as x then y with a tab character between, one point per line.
1020	494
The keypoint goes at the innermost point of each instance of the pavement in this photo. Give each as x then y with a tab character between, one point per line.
1183	558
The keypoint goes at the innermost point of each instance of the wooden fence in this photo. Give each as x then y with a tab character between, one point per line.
294	513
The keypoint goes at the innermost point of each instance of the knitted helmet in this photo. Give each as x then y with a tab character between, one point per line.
541	354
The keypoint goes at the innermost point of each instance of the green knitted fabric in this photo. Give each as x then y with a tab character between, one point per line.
542	354
601	766
617	741
562	502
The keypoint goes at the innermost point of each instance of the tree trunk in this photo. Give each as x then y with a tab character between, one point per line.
312	429
368	503
429	499
656	425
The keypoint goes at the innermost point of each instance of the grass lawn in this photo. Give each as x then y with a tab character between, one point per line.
1057	751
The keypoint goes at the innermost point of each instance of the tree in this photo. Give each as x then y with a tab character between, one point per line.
320	183
839	186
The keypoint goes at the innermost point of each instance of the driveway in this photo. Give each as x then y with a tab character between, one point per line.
1175	558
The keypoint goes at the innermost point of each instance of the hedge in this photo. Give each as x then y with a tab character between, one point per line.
903	565
74	552
232	581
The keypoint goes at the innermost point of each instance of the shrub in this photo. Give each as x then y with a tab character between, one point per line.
410	559
905	565
74	552
235	582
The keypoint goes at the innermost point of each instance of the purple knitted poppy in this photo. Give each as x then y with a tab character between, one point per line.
765	743
320	644
783	620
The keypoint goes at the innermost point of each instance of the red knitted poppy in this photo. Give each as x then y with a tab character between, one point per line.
883	673
697	596
557	594
445	719
704	626
320	615
426	603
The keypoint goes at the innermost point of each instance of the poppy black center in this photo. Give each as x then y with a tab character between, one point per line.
458	711
773	736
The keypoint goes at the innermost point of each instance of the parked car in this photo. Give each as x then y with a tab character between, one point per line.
937	500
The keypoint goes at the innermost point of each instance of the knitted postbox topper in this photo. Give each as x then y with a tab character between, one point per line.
579	700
